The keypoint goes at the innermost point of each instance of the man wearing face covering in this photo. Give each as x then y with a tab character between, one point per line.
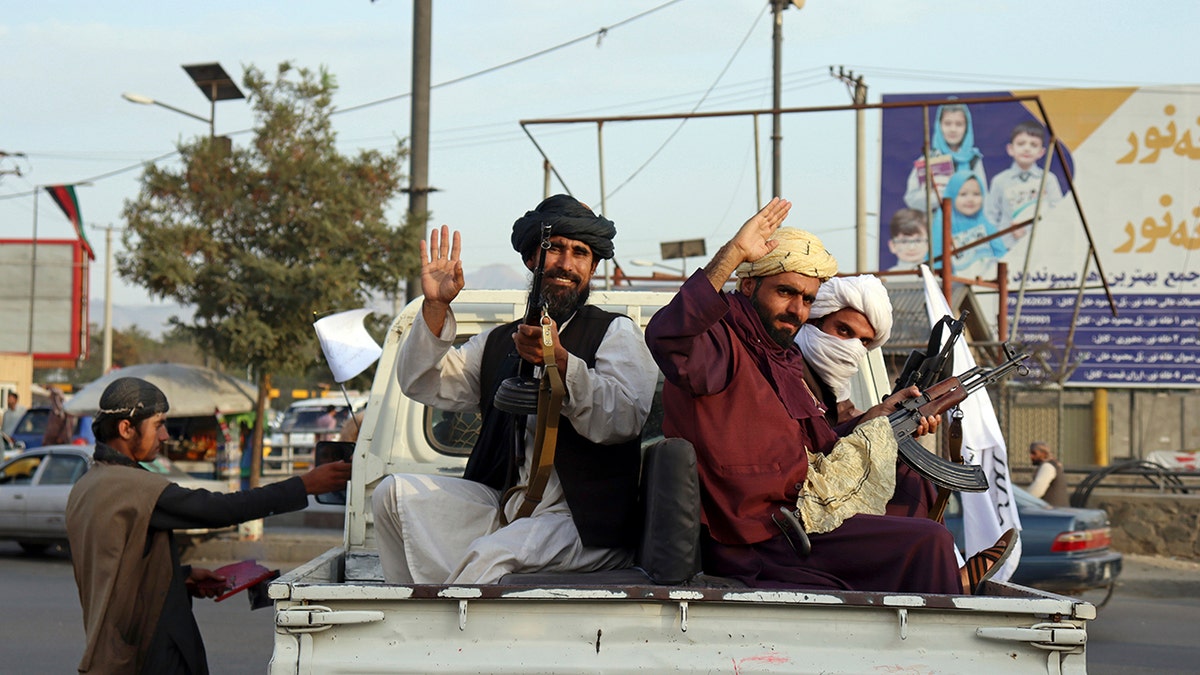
735	389
440	529
851	316
136	596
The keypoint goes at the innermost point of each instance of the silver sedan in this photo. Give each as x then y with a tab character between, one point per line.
34	487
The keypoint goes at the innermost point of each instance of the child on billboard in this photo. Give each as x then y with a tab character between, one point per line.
908	233
951	149
1013	192
967	224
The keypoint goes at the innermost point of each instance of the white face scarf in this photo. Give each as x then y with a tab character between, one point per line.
835	360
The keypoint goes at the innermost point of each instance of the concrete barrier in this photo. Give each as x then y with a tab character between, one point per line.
1152	524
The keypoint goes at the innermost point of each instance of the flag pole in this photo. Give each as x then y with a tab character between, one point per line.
33	267
350	407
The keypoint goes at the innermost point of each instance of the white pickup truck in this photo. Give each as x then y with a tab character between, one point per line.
335	614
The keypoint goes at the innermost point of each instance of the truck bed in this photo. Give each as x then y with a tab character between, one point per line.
336	624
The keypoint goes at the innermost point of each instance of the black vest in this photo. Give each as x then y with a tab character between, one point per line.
600	482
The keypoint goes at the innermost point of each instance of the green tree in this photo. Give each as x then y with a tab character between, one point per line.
258	238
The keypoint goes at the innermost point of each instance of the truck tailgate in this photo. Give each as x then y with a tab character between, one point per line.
368	627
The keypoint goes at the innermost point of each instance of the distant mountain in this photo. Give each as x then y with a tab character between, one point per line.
499	277
151	318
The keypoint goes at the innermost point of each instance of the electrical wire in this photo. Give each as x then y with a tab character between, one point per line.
684	121
599	34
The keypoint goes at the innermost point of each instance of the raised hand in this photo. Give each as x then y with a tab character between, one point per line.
441	268
753	240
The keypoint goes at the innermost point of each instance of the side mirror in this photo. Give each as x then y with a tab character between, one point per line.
332	451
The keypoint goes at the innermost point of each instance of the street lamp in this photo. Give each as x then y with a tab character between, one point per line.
146	100
214	83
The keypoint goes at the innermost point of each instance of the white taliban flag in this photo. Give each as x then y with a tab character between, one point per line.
347	345
986	515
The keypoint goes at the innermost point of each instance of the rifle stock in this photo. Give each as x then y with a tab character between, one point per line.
935	400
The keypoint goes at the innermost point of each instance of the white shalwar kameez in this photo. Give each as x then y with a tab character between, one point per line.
440	529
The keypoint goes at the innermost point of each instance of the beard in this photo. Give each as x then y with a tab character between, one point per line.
561	302
784	336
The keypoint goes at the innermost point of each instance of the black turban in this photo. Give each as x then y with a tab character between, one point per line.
569	218
131	398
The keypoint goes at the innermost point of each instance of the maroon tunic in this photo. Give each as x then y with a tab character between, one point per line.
741	400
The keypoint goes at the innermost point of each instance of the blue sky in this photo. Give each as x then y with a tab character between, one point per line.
67	63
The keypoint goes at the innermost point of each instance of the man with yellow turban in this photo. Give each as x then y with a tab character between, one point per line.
735	389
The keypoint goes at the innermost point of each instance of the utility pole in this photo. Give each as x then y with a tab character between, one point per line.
859	97
776	98
106	356
418	190
777	7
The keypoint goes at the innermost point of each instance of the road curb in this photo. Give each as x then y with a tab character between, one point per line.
285	549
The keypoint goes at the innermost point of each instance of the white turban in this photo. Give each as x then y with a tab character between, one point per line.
866	293
798	251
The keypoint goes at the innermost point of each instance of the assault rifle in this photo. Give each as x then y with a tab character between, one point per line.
518	395
925	368
936	400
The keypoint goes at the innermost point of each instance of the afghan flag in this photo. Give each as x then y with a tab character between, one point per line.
64	196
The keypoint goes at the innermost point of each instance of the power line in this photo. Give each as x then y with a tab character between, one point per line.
599	34
682	122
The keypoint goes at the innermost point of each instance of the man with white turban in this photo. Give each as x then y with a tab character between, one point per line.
735	389
851	316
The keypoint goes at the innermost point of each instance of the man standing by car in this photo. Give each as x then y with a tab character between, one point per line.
1049	483
59	425
135	593
12	413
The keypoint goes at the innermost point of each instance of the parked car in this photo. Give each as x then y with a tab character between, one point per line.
32	428
291	446
1065	550
34	487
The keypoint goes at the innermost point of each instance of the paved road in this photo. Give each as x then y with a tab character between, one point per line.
43	627
1148	627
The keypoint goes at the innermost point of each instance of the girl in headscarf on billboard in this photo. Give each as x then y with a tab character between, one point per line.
953	139
967	224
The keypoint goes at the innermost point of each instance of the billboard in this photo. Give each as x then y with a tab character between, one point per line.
45	300
1134	158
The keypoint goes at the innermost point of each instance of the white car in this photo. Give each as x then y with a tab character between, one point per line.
34	487
291	446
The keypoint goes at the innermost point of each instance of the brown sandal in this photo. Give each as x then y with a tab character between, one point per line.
981	566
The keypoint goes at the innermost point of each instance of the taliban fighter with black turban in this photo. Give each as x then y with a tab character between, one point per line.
439	529
136	596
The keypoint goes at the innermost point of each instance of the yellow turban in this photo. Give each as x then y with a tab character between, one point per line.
798	251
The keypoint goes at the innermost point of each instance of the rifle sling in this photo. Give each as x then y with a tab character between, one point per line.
954	446
550	398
